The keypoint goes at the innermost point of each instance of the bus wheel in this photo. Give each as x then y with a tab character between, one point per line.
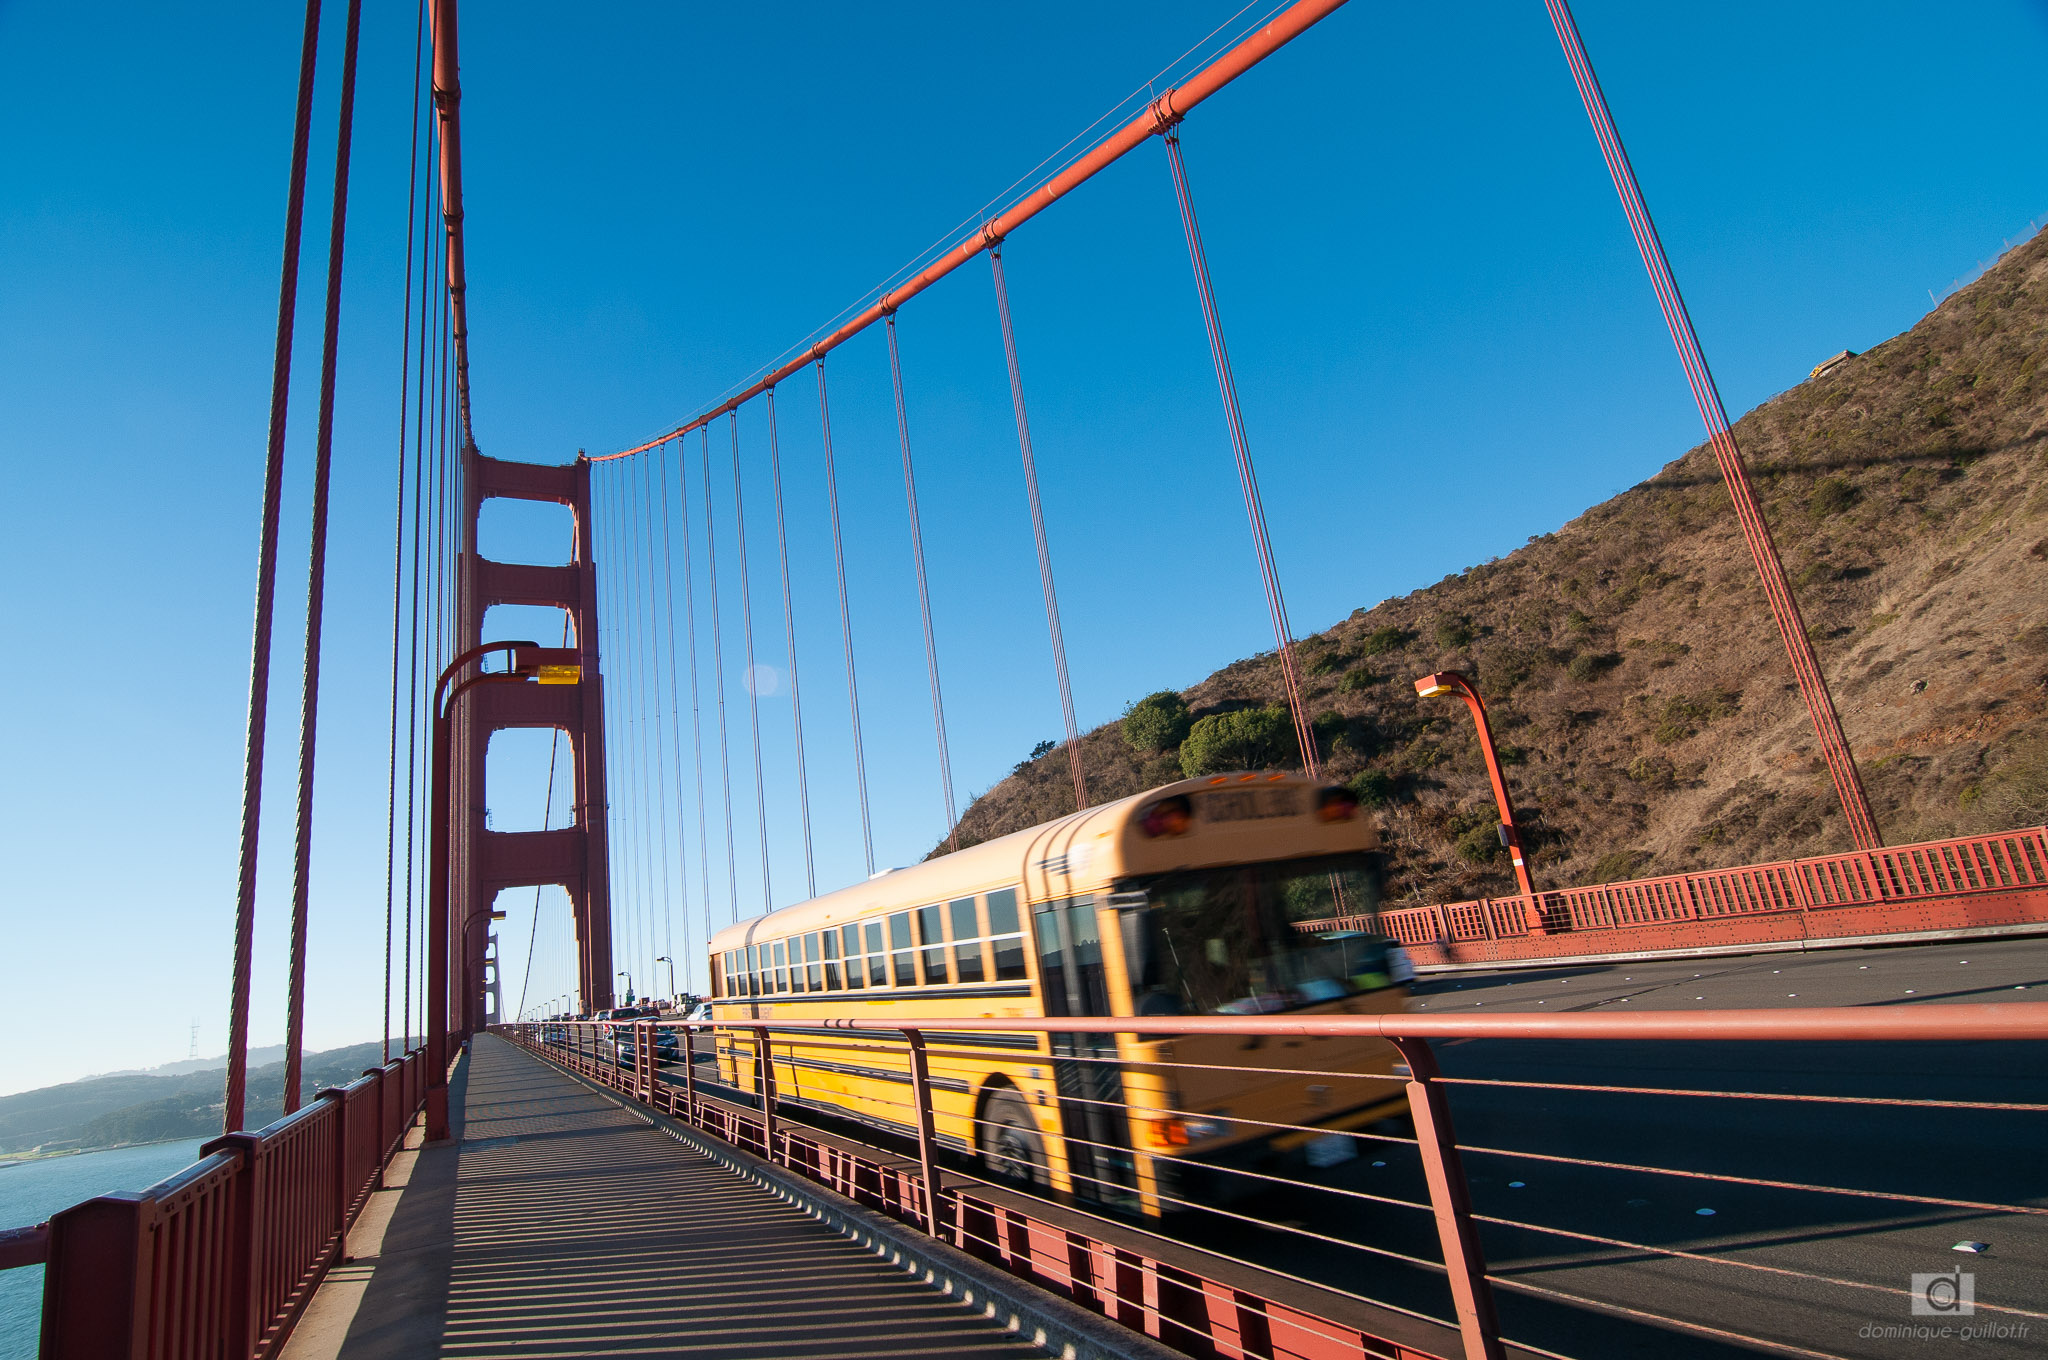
1008	1142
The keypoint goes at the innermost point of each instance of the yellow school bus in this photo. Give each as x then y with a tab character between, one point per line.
1180	901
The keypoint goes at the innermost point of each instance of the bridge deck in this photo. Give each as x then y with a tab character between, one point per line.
557	1224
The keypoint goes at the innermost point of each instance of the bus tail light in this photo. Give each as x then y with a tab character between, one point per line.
1336	804
1174	816
1167	1133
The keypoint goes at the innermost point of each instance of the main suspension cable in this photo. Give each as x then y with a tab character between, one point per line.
1247	477
266	590
751	679
1052	600
316	573
860	772
924	601
796	706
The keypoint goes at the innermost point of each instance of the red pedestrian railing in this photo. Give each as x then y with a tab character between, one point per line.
1408	1257
2006	862
218	1260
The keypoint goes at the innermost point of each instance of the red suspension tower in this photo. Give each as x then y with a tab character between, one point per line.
486	862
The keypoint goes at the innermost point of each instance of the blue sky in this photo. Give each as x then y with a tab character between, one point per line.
1444	344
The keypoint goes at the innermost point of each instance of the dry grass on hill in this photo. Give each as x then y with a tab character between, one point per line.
1635	680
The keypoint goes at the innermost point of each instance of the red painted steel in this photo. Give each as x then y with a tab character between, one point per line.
219	1259
448	108
1159	115
1813	686
1467	691
1961	883
266	589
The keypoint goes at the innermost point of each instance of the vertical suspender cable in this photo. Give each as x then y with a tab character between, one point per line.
860	771
413	695
732	871
752	680
1813	685
628	718
796	705
412	189
649	739
1247	478
615	718
647	484
316	575
924	601
266	588
696	711
675	716
1052	599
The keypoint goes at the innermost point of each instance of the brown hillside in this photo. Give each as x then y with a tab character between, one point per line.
1630	665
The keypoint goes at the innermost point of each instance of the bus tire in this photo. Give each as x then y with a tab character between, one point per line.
1007	1139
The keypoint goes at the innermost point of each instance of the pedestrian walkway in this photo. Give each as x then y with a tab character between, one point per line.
557	1224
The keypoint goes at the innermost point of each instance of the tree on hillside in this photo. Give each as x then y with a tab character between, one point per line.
1249	739
1157	722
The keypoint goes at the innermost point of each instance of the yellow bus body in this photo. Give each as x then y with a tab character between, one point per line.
1072	866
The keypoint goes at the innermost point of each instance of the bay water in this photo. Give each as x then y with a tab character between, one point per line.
31	1191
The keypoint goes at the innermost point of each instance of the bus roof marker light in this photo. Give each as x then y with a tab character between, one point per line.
1170	816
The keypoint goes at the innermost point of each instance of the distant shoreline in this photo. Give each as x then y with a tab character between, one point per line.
8	1159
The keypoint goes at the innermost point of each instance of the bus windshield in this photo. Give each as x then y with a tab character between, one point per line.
1223	941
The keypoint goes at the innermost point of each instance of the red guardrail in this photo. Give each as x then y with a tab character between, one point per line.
1223	1302
2010	862
218	1260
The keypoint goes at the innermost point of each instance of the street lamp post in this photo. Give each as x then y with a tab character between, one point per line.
671	976
629	985
529	661
1451	682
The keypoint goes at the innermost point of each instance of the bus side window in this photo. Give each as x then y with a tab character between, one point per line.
814	958
830	939
849	948
899	945
1008	943
878	962
929	935
753	969
967	938
781	966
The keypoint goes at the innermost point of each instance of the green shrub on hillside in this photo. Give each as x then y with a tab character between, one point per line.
1157	722
1454	632
1375	788
1249	739
1385	640
1588	666
1359	679
1831	496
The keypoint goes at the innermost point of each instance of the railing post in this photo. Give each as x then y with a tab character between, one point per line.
338	1115
96	1285
927	1136
1449	1196
245	1212
690	1071
764	1081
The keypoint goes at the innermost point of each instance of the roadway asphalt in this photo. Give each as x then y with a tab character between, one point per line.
1781	1238
1978	970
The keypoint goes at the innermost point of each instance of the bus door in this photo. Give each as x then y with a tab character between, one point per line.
1085	1069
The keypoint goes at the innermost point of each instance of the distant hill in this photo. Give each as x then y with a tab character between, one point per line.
1636	683
103	1112
257	1056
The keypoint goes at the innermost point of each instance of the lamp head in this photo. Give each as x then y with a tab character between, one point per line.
548	665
